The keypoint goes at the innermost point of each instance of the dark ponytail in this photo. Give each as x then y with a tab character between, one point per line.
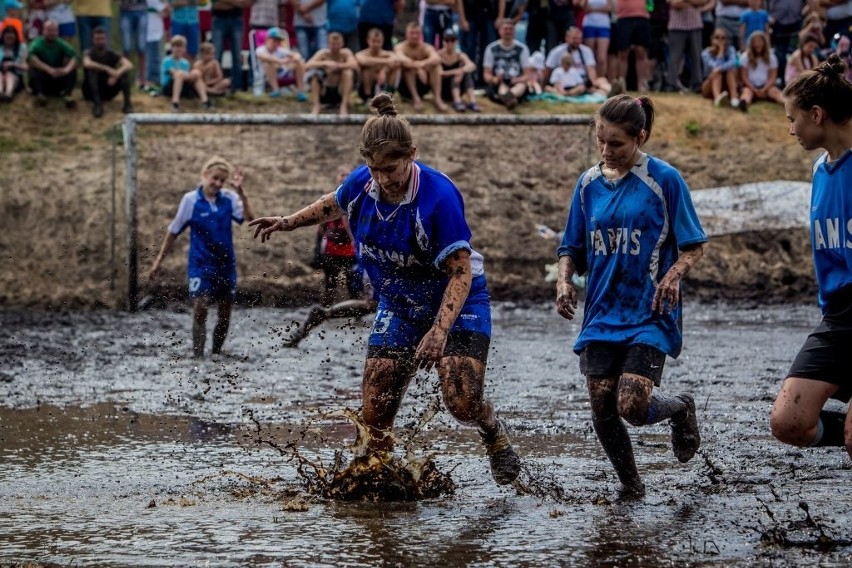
632	115
825	86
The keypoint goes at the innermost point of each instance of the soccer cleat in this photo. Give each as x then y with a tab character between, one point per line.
505	464
686	438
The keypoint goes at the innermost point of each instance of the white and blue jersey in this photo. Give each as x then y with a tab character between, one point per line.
831	230
212	267
403	247
626	234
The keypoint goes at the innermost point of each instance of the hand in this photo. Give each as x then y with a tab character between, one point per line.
430	350
268	225
422	75
237	179
667	296
111	80
154	273
464	25
566	299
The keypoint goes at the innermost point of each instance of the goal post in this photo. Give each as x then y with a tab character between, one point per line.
132	122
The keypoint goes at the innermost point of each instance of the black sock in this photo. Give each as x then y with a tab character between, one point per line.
833	424
664	406
615	440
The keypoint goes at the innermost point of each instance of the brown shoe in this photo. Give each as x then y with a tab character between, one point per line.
505	464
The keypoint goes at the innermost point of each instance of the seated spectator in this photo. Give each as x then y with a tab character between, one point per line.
53	67
802	59
178	78
583	61
379	67
106	74
719	62
211	72
457	74
421	68
331	75
753	19
280	65
14	64
506	67
13	17
566	80
60	11
758	71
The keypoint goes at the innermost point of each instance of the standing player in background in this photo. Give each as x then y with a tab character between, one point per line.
434	309
633	229
208	211
819	107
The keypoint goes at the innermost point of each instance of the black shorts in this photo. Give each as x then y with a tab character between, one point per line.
601	359
633	31
186	91
422	88
826	356
459	344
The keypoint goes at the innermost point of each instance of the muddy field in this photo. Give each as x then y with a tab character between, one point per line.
118	449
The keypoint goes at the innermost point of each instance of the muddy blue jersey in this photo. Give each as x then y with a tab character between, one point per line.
831	229
403	246
211	243
626	235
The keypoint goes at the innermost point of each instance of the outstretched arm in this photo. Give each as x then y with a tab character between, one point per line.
320	211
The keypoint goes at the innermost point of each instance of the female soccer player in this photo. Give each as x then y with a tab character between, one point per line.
208	211
412	238
818	107
633	230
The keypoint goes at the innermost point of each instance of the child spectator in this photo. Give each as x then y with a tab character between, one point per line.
53	67
281	65
185	22
758	71
802	59
14	64
178	78
720	71
211	72
13	17
754	19
565	80
106	74
60	12
154	32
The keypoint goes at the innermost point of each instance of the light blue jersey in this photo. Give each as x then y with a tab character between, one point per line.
626	235
831	228
403	246
211	243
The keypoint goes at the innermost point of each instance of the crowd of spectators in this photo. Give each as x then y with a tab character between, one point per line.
734	52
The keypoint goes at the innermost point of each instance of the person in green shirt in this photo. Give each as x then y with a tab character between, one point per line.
53	64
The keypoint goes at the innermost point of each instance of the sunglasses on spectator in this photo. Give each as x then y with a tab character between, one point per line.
450	38
720	37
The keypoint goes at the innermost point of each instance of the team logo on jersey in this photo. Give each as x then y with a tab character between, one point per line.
194	284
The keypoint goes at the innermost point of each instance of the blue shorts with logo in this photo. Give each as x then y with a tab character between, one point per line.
220	285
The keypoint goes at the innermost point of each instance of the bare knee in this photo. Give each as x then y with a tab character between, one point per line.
462	385
785	428
634	396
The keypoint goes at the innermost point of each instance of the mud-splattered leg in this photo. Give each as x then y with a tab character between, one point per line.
612	432
797	417
222	324
385	382
199	326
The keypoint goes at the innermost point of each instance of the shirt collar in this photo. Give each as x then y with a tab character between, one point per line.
374	191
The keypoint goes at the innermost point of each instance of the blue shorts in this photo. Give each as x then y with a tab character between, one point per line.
191	32
68	30
592	32
394	335
220	286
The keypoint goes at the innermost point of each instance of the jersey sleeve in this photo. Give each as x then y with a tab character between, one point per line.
237	207
488	58
346	192
183	215
449	228
574	237
685	224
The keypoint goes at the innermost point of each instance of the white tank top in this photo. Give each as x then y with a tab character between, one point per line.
597	19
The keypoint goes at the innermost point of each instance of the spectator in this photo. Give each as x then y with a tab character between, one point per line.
421	68
60	11
13	17
343	18
838	17
14	64
597	30
92	14
786	16
331	75
802	59
379	67
185	22
584	63
814	25
507	67
566	80
267	14
728	14
685	28
311	18
379	14
437	17
154	33
753	19
178	78
106	75
719	63
53	67
133	23
477	24
547	21
211	72
281	65
228	24
456	74
758	71
633	32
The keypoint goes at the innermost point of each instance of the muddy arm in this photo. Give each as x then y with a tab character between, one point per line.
667	295
566	294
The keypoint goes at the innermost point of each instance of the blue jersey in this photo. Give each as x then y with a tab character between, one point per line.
831	227
626	234
403	246
211	244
